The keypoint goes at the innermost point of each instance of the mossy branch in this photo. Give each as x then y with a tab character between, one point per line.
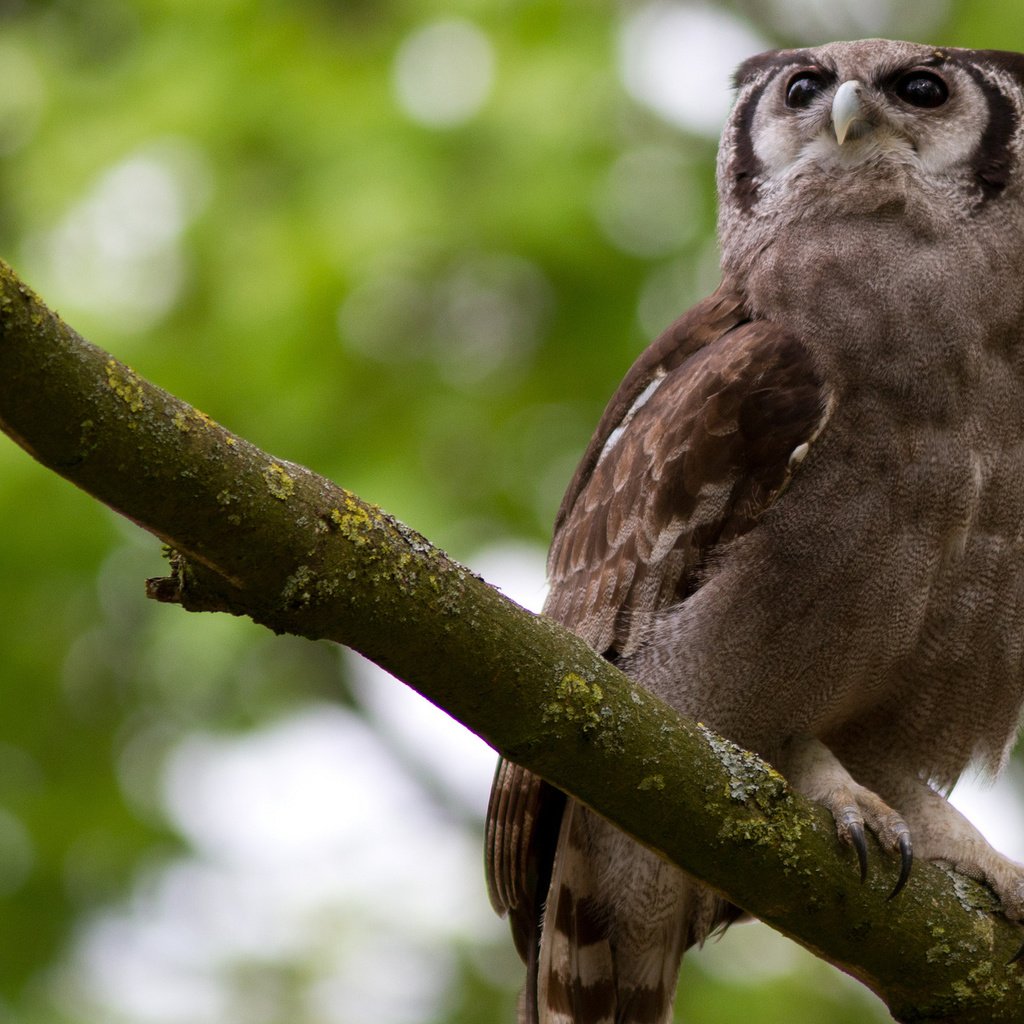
258	536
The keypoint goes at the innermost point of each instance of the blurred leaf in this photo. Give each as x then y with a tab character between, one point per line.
231	196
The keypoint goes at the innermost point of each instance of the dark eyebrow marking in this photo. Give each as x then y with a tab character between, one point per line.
993	158
887	79
772	60
744	167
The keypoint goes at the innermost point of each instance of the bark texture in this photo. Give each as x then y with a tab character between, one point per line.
258	536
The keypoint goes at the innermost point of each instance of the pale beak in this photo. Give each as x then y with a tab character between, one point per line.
847	108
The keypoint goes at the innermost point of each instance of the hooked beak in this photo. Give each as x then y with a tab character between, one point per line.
847	109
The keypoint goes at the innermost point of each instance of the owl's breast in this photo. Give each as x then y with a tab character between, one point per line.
886	281
938	519
887	583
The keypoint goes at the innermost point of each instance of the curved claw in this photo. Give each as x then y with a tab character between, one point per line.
906	863
857	840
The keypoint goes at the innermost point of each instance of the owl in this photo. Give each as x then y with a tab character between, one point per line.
801	517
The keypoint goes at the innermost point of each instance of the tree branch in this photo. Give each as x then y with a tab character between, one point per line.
261	537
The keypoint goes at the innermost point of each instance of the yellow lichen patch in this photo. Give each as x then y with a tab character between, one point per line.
353	520
983	979
651	782
576	700
123	382
281	485
186	418
355	510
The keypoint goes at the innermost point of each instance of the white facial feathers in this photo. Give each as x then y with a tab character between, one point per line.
861	110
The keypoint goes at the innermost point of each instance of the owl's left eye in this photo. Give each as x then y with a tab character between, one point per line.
922	89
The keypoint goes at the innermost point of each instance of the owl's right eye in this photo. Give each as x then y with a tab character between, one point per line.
802	89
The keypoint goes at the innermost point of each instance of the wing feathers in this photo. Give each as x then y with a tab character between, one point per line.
703	435
522	826
706	322
699	461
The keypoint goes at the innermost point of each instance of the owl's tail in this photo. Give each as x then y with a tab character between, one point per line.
617	921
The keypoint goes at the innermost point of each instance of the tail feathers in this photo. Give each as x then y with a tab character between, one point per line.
614	929
575	983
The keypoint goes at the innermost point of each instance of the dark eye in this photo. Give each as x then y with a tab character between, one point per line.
922	89
802	88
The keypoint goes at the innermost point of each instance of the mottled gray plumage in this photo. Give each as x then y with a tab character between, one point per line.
801	519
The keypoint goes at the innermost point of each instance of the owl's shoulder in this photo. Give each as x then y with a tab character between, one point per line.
702	436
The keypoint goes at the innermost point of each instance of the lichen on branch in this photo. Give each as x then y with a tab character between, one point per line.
256	535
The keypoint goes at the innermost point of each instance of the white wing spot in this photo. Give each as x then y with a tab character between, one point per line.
638	404
798	455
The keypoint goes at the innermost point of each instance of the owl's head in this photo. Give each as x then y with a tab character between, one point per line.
853	128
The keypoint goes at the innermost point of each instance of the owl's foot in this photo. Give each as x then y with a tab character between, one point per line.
853	810
814	771
943	835
1003	876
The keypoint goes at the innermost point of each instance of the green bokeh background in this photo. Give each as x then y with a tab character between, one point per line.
433	316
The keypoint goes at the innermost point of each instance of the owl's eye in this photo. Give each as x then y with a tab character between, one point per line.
922	89
802	88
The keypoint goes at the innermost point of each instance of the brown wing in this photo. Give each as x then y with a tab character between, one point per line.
523	819
700	454
702	435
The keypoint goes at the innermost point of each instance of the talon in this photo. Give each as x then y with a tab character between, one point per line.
856	830
906	863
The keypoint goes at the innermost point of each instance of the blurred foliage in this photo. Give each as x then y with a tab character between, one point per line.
234	196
